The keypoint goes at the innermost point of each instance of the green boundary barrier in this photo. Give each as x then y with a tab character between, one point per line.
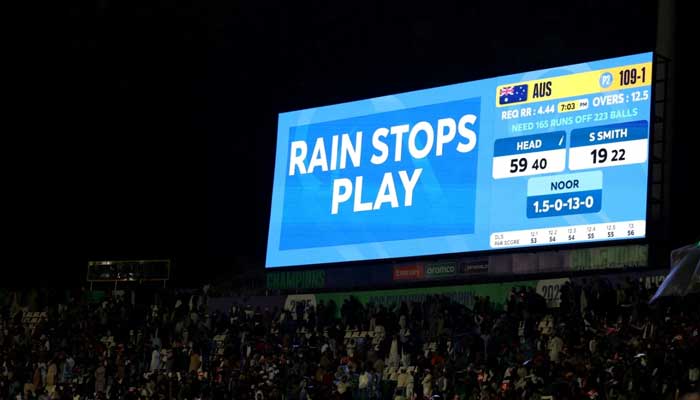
464	294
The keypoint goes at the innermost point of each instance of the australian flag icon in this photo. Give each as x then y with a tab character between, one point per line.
512	94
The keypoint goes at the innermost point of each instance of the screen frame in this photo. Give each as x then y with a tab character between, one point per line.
651	225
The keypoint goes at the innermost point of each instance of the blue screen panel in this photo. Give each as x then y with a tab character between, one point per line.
541	158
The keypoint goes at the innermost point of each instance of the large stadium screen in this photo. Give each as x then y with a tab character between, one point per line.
549	157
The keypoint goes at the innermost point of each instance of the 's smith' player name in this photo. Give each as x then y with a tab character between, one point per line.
607	134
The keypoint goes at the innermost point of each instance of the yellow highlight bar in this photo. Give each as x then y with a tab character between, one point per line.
625	77
572	105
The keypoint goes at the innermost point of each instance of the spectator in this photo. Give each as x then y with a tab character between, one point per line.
100	379
618	348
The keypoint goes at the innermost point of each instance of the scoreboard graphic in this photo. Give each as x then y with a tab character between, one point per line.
547	157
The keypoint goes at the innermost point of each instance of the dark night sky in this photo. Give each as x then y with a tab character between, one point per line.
158	119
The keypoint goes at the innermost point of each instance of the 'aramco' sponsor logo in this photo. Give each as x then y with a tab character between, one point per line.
441	269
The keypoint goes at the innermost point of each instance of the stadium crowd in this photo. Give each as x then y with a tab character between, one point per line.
602	342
